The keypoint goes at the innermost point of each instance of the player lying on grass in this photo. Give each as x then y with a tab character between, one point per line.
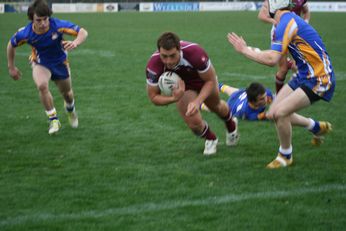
251	103
315	78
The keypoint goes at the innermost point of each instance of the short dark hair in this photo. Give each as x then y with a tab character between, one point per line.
254	90
168	40
40	8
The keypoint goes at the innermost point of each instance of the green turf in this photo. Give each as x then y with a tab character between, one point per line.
133	166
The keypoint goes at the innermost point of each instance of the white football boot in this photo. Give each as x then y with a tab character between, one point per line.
54	127
73	119
232	138
210	147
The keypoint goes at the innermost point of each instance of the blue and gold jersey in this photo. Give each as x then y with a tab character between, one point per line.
305	45
241	108
47	47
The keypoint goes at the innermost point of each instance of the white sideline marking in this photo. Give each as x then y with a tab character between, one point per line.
168	205
245	76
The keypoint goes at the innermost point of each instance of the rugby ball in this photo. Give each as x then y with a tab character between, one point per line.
167	81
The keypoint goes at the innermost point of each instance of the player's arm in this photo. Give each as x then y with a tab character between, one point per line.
306	13
156	98
210	83
81	37
263	14
266	57
12	69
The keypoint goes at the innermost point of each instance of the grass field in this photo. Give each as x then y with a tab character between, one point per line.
133	166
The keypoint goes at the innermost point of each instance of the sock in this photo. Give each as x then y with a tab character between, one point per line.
52	115
287	153
230	124
279	83
316	127
311	124
207	133
69	106
204	107
223	88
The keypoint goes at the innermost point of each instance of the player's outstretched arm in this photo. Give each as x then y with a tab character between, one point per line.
12	69
267	57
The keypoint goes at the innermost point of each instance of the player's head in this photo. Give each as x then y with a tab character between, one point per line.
275	5
256	94
39	8
168	45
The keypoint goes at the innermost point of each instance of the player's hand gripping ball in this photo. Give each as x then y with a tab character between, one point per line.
167	81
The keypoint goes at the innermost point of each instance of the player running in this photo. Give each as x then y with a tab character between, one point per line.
48	59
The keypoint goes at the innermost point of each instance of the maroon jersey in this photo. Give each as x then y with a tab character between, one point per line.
193	60
298	6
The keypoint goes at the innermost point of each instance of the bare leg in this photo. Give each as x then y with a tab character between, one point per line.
41	76
284	106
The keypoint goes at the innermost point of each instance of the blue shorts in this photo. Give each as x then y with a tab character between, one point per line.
59	71
315	88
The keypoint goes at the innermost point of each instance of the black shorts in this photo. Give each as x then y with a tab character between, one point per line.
311	95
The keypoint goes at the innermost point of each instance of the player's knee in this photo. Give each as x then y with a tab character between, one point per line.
67	94
195	125
196	129
43	88
279	114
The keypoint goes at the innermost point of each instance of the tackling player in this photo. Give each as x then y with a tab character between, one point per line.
315	78
198	84
48	59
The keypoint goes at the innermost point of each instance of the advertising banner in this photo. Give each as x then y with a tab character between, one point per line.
74	7
327	6
227	6
110	7
146	7
176	6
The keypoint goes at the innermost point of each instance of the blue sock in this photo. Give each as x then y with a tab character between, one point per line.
287	153
316	128
69	106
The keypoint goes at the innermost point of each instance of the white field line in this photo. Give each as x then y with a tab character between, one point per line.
169	205
242	76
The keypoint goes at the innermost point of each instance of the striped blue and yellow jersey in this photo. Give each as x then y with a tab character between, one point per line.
305	45
47	48
241	108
